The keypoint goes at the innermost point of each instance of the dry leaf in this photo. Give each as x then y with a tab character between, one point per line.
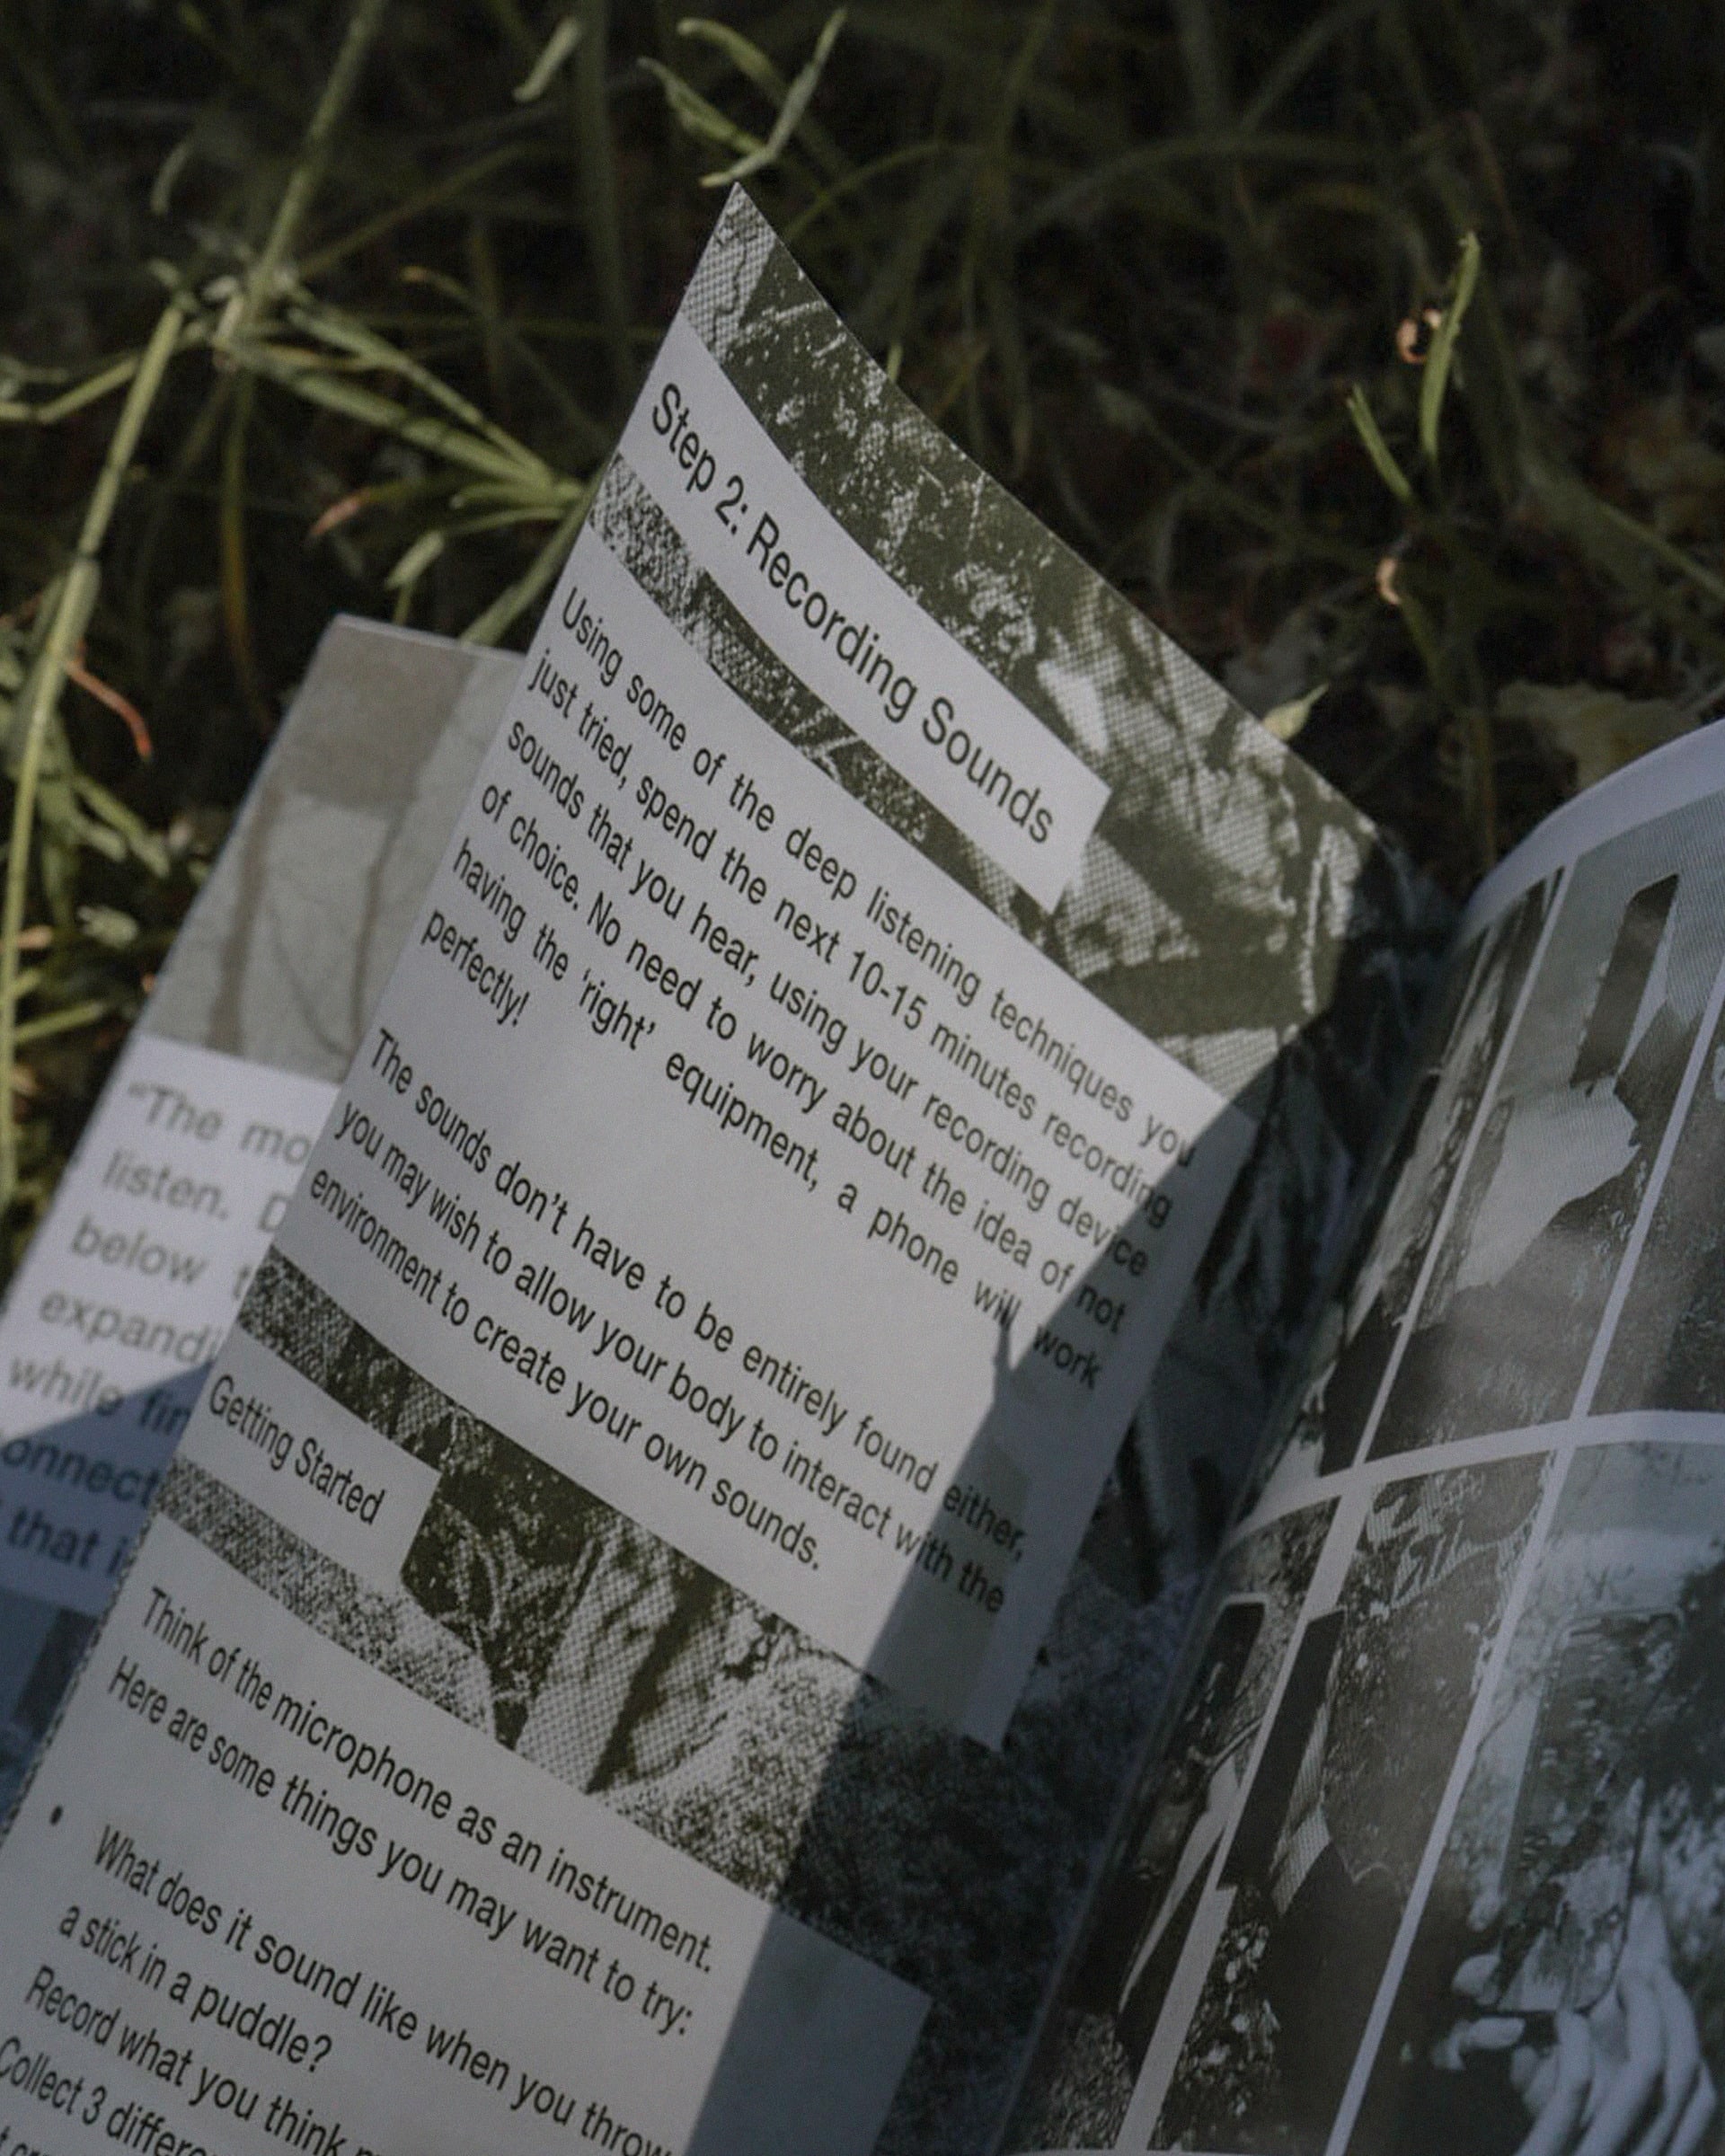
1287	719
1600	729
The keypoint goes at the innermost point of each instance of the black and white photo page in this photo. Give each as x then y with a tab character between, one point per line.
1431	1853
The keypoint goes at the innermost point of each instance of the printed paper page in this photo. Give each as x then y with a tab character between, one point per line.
158	1225
669	1417
183	1172
779	1194
1437	1821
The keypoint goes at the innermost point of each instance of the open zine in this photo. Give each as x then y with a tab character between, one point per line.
662	1631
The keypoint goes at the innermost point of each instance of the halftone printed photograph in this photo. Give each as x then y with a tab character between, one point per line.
1115	1988
1529	1261
1566	1968
1403	1202
593	1650
1668	1349
1332	1828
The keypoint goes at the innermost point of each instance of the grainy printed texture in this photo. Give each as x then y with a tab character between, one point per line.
1116	1985
632	524
575	1638
1565	1157
1231	905
1216	837
1420	1152
1343	1797
1598	1792
1484	1816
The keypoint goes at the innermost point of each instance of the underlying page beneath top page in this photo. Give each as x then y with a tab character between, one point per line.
1430	1859
614	1664
184	1169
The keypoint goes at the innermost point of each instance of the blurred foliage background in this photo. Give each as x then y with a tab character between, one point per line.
1377	350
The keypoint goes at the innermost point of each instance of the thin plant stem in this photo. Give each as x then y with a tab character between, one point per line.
64	1021
231	551
302	182
508	608
40	698
428	198
597	163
